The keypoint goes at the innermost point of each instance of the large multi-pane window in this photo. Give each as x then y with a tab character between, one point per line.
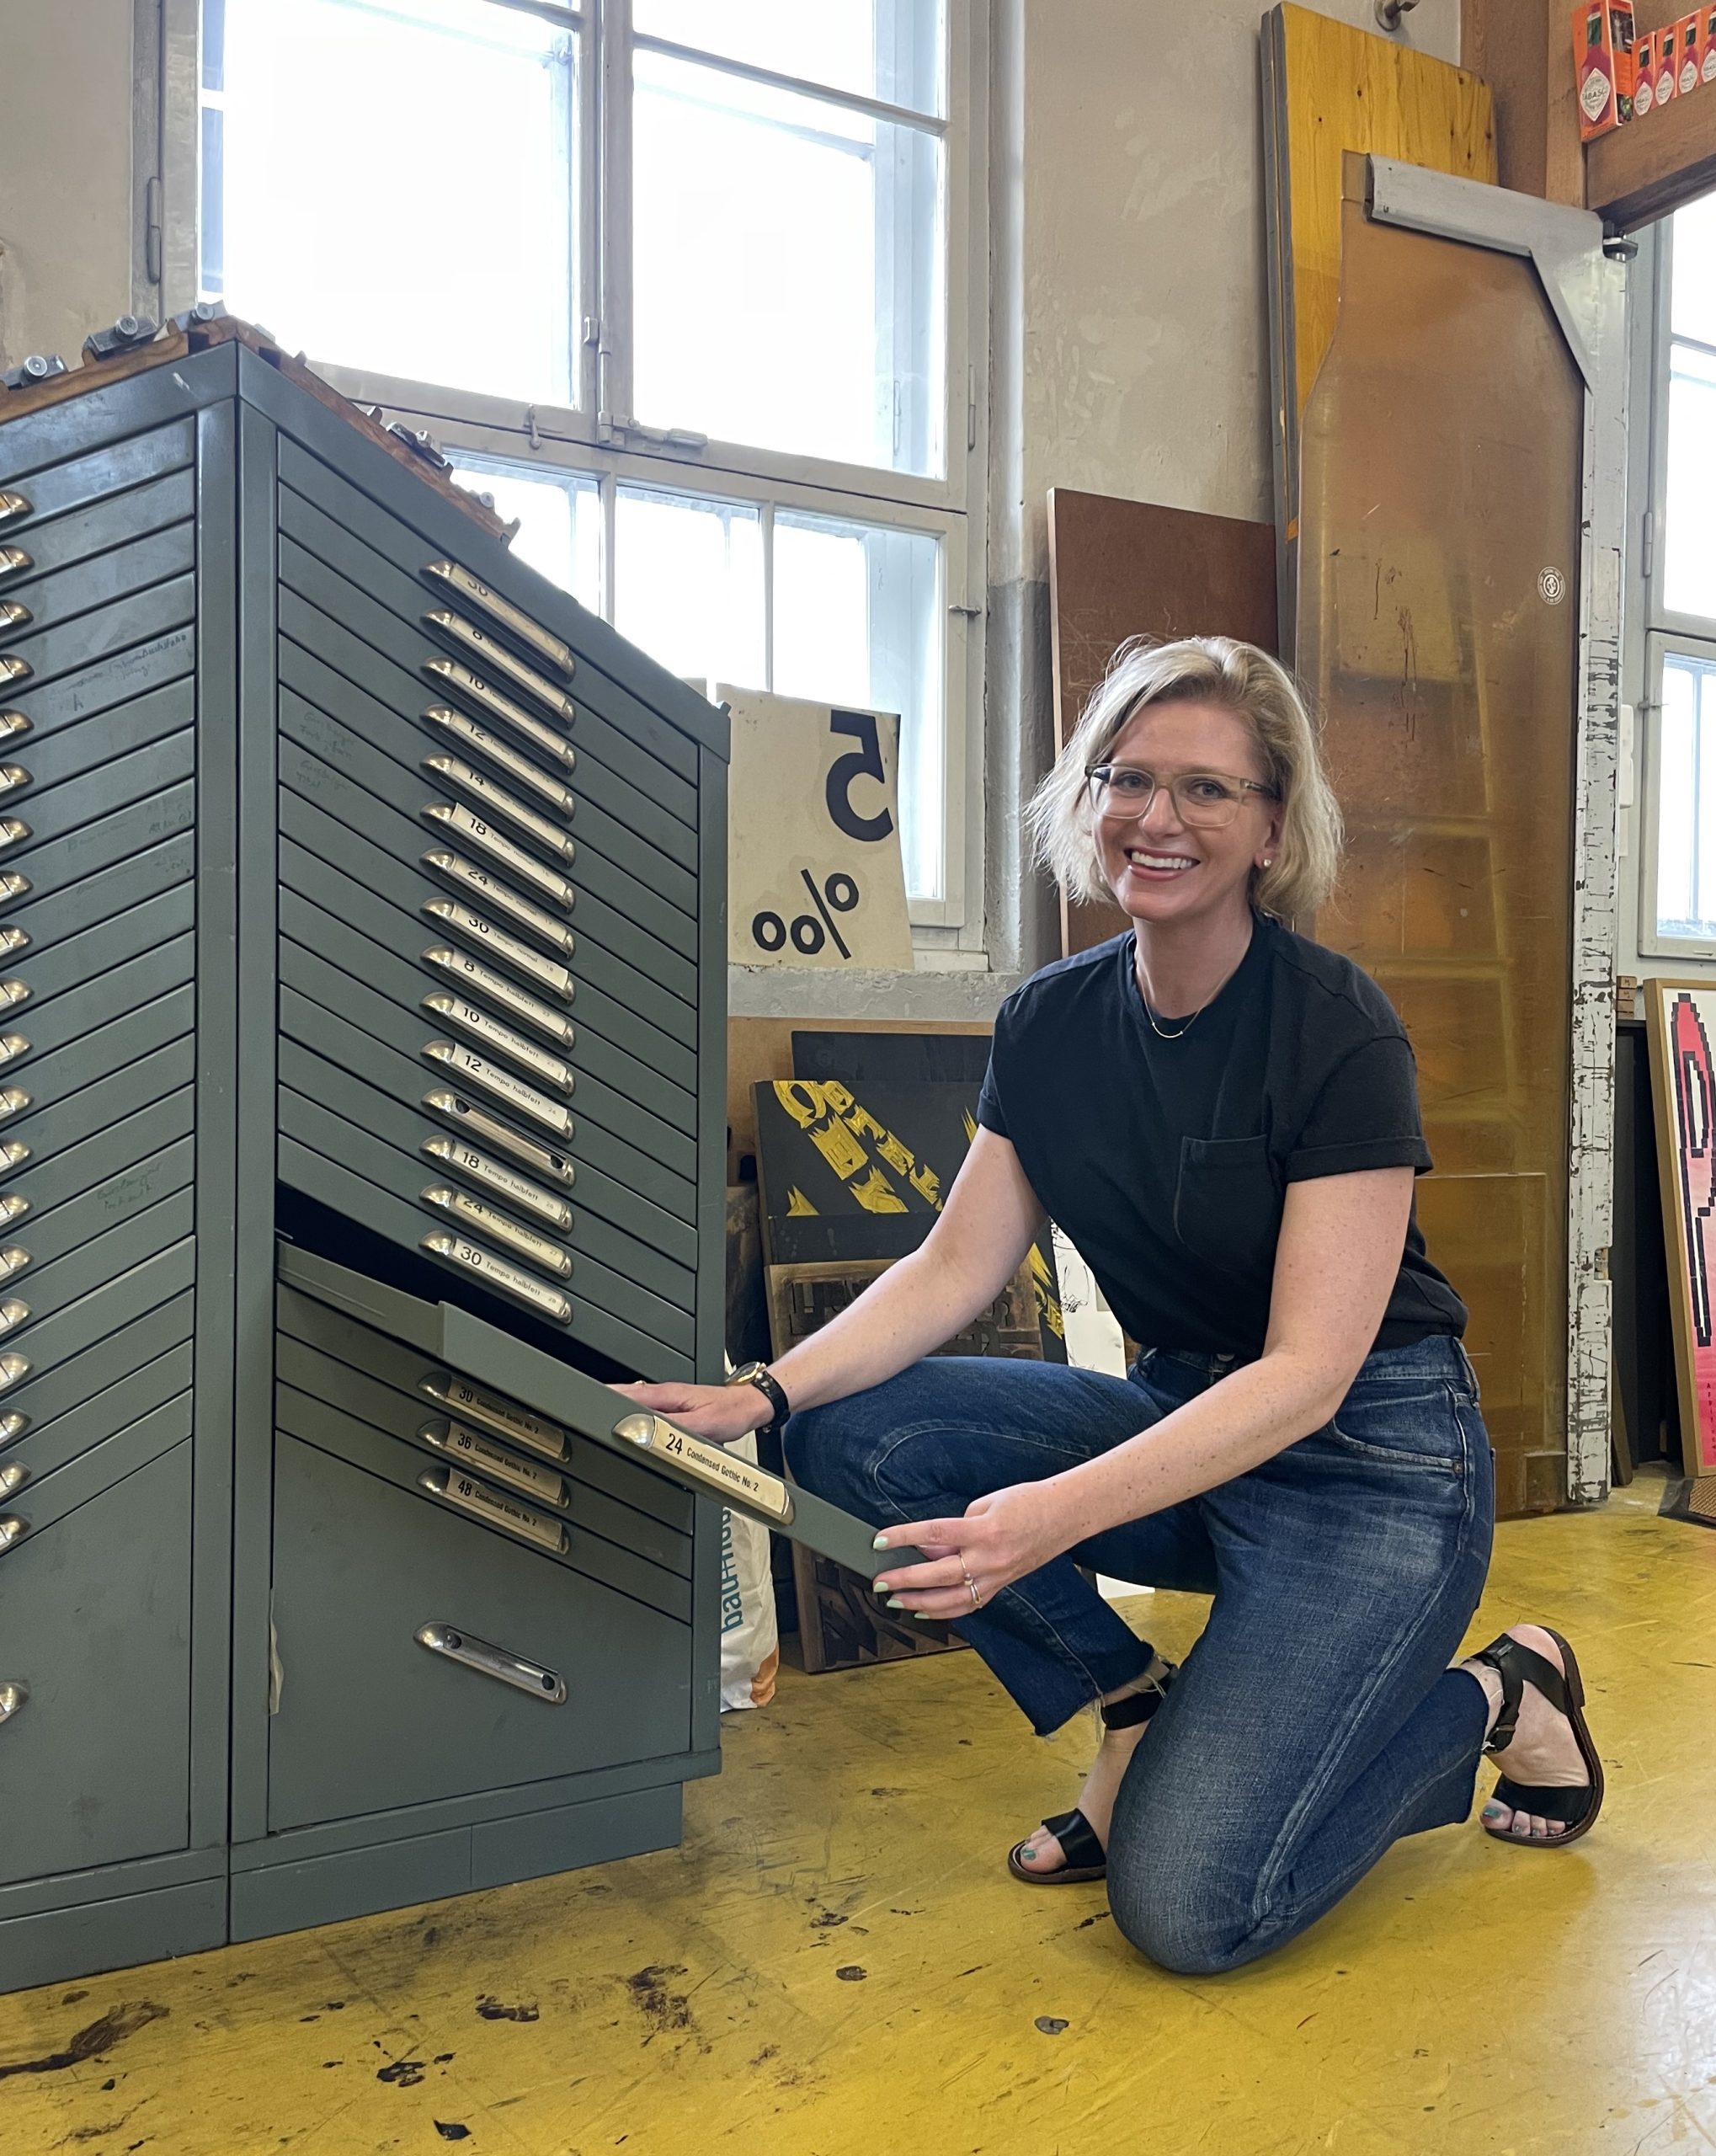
682	284
1678	913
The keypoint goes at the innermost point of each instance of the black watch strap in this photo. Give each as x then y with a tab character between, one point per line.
779	1406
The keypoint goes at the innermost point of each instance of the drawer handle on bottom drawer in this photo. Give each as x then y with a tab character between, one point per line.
13	1531
491	1660
12	1695
455	1487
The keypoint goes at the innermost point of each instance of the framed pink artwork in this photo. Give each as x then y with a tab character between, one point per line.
1681	1018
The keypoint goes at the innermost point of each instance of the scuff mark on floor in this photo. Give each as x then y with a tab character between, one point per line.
100	2036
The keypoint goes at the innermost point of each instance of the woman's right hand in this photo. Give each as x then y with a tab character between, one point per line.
720	1412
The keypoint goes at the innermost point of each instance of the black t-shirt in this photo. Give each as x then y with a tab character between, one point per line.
1167	1161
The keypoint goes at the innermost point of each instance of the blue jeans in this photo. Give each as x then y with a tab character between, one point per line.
1316	1720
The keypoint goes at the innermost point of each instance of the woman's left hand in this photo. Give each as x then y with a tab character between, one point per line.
1001	1538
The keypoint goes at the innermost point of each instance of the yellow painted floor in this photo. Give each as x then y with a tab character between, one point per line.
836	1961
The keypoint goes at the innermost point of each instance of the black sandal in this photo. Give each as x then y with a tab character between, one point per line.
1086	1860
1518	1665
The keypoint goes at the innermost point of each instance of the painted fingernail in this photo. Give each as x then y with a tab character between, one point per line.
894	1603
882	1586
880	1543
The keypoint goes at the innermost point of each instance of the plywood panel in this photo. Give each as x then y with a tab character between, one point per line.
1122	568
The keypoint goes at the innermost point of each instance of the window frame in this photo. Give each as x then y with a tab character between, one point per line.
597	437
1661	632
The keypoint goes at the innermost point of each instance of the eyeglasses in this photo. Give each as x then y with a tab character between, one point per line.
1203	800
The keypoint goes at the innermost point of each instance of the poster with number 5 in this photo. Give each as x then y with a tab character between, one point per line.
1680	1017
814	870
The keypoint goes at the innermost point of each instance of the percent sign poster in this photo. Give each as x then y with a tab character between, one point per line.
815	877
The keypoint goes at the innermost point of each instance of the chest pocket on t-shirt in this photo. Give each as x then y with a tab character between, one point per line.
1227	1203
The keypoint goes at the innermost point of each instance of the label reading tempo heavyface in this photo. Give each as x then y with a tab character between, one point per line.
472	734
475	1404
543	641
482	1219
462	823
522	1099
461	777
499	1273
495	706
458	966
494	655
474	1120
473	1449
460	1159
466	876
461	919
466	1018
711	1466
456	1487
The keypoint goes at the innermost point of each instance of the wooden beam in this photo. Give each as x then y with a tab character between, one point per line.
1523	49
1660	164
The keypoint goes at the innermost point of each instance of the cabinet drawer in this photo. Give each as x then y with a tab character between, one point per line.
95	1629
57	489
52	867
370	1719
111	686
120	1067
50	1176
134	1328
84	1009
36	657
80	593
50	1339
159	1386
85	955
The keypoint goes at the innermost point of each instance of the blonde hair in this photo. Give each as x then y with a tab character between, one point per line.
1198	669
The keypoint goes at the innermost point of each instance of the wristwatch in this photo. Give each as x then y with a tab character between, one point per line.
759	1374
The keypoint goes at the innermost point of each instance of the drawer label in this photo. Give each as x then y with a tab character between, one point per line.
470	1116
472	1448
455	869
462	1160
482	743
462	823
543	641
466	1018
461	777
482	1220
557	980
524	1100
527	727
495	655
455	1487
499	1273
712	1467
471	973
473	1403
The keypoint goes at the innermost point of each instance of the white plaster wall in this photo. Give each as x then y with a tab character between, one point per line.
65	172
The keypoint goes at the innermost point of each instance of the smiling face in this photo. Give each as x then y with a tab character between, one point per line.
1161	869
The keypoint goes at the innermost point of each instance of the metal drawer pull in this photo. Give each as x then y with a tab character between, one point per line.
543	641
486	1456
13	993
475	1404
13	1204
498	1663
495	655
462	822
460	1159
710	1465
13	1101
499	1273
13	886
12	725
13	668
12	1046
13	1531
471	973
13	941
12	1155
489	1078
13	831
12	1694
12	1426
453	868
491	702
13	562
464	1017
13	1479
12	507
453	1486
13	616
12	1261
478	1219
478	739
470	1116
12	1313
460	777
461	920
14	1370
13	779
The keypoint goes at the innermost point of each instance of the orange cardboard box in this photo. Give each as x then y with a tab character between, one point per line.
1602	52
1689	40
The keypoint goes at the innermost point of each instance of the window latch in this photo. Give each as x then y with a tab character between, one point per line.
662	437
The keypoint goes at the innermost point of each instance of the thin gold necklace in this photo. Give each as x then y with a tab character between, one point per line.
1160	1032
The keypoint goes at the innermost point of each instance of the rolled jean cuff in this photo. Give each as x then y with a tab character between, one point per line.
1048	1690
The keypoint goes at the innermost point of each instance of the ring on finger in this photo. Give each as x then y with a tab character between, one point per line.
977	1600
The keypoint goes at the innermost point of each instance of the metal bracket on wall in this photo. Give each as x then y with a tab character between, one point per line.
1587	292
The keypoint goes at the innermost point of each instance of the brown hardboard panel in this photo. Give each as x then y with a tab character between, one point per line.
1119	569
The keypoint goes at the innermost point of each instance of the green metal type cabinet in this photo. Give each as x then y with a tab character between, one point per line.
362	1095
